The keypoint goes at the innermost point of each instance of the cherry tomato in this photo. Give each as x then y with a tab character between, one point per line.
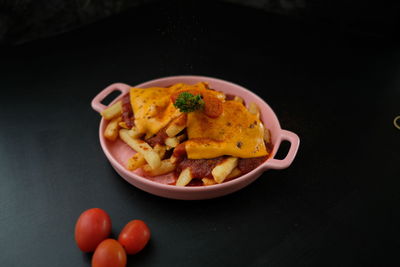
92	227
212	106
134	236
109	253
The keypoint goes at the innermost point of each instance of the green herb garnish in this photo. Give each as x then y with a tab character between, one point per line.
187	102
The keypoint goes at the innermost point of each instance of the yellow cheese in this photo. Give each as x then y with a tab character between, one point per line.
236	132
153	107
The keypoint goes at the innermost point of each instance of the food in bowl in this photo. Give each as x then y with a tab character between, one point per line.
199	135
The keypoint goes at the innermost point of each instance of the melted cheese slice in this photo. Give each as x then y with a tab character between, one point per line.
154	109
236	132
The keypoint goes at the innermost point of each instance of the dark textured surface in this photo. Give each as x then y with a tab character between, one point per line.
26	20
337	205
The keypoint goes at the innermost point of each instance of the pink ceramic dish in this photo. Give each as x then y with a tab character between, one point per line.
118	153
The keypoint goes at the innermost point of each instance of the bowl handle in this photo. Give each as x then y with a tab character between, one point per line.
294	146
96	102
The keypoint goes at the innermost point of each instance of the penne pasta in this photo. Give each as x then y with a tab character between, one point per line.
267	136
181	137
160	150
176	126
112	111
165	167
238	99
221	171
208	181
173	159
253	109
135	162
134	132
148	136
184	177
111	131
234	173
151	157
172	141
122	124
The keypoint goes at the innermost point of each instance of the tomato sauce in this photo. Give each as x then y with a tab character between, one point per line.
229	97
180	151
199	168
159	138
249	164
127	112
195	182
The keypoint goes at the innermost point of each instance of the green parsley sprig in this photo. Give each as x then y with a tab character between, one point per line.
187	102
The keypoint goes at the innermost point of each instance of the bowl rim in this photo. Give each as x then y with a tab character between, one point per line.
236	181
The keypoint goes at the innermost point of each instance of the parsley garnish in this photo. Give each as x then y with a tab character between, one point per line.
187	102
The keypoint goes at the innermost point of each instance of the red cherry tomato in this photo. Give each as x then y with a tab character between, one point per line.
134	236
92	227
212	106
109	253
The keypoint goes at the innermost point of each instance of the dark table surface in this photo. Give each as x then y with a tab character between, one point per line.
336	205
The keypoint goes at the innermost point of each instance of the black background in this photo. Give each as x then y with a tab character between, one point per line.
336	205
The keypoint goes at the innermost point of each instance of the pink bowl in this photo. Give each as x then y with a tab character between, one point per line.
117	152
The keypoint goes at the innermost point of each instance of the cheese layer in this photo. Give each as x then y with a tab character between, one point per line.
153	108
236	132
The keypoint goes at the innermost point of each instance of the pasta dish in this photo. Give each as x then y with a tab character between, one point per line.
202	136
